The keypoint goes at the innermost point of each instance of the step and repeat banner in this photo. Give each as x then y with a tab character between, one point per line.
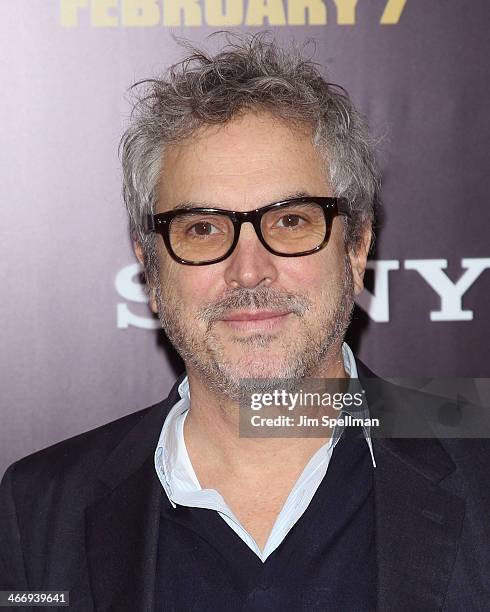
79	346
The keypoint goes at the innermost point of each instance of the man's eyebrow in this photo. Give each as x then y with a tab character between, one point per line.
296	194
192	205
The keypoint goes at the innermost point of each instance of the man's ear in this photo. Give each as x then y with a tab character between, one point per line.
358	259
138	250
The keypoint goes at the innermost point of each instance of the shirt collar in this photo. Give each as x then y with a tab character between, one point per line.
351	369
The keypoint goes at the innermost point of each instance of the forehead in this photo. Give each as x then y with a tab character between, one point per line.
255	158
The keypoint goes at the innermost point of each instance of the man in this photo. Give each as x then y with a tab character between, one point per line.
250	183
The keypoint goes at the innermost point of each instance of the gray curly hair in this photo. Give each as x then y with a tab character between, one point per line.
250	72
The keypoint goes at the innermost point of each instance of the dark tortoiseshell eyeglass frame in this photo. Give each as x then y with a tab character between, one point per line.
161	222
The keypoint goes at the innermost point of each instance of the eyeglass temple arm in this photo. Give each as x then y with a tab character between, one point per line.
149	223
343	207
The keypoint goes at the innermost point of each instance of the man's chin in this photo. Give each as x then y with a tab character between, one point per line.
239	381
262	364
237	343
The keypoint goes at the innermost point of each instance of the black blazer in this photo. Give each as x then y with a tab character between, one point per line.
82	516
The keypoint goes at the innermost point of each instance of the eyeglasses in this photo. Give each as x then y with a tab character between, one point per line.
291	228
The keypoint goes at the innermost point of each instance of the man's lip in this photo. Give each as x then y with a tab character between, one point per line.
255	315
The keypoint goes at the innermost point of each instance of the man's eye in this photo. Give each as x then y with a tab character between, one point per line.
290	220
202	228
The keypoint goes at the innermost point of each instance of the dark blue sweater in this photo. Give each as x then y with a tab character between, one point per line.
326	562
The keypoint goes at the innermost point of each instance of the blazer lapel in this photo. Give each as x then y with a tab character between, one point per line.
418	521
122	537
418	524
122	525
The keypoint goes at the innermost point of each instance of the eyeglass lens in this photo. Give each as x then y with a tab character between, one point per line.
289	229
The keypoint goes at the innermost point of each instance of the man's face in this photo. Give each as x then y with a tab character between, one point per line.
254	314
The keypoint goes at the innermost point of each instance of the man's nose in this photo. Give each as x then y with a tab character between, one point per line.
250	264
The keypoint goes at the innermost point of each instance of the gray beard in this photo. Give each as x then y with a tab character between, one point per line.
206	355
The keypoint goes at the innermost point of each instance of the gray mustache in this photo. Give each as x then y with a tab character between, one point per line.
254	299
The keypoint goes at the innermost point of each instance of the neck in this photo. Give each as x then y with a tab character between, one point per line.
211	433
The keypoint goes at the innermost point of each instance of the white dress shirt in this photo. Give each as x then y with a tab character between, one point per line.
175	471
